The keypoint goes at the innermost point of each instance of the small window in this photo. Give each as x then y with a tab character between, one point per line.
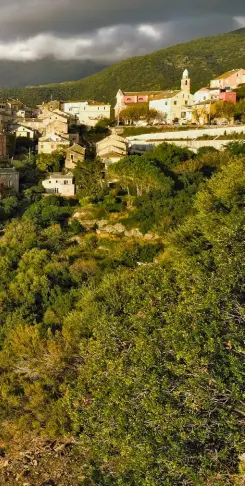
72	156
175	102
66	182
186	102
166	103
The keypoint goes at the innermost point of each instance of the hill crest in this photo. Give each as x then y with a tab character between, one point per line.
205	59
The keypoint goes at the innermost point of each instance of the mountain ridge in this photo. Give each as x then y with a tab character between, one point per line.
205	58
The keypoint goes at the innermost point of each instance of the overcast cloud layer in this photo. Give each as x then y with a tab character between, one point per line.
108	30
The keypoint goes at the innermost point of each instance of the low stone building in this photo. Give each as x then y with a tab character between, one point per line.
58	183
23	131
9	177
74	154
48	144
111	149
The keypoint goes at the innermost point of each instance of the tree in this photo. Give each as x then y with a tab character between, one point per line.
240	110
136	112
236	148
4	191
89	178
53	162
225	110
138	173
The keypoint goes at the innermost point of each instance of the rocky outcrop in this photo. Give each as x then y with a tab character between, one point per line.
103	227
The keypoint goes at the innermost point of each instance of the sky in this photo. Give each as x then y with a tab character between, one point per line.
108	30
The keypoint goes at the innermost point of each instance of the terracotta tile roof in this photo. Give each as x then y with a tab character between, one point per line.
112	154
76	148
140	93
8	170
227	74
166	94
89	102
59	175
54	138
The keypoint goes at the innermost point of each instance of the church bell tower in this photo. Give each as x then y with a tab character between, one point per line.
186	82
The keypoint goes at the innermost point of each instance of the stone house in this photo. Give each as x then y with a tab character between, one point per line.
203	111
33	123
58	183
111	149
24	131
48	144
88	113
10	178
56	123
74	154
48	107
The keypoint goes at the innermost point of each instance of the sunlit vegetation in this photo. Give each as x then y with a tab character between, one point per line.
130	347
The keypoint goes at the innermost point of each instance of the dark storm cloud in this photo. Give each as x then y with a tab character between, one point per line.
31	29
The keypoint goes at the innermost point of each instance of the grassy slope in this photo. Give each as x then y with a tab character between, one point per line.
205	58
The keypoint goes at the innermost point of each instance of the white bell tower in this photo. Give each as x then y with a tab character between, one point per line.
186	82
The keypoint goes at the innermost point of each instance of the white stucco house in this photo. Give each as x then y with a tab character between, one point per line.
89	113
205	94
58	183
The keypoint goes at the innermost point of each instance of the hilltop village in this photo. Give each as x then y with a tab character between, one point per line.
57	127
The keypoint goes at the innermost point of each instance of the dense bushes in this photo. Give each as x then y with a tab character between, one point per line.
131	348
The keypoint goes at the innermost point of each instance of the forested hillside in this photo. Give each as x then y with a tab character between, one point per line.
205	58
122	323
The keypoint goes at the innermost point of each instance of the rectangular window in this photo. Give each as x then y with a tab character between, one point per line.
186	102
72	157
166	103
66	182
175	102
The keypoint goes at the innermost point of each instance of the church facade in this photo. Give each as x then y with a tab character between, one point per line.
172	105
175	106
